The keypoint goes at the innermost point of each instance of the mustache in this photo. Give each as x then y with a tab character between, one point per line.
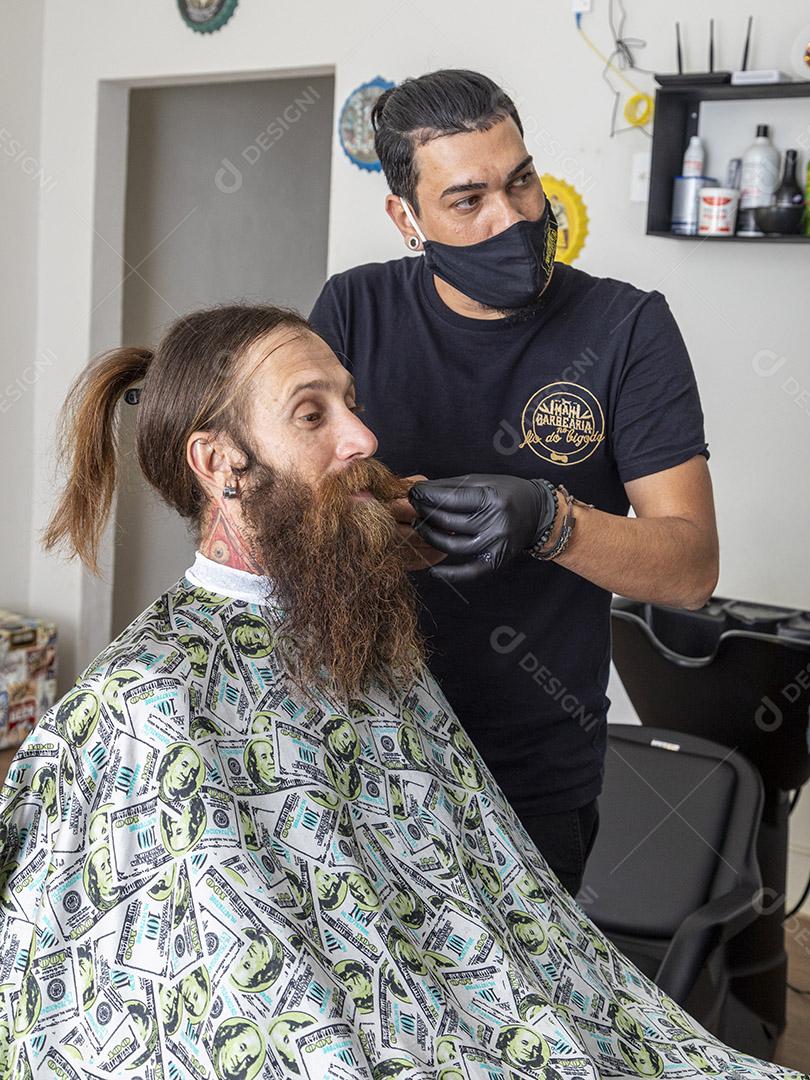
362	525
368	475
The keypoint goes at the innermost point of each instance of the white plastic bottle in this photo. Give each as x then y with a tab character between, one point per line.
759	180
694	158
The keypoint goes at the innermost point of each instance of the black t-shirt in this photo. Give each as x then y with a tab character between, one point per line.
595	390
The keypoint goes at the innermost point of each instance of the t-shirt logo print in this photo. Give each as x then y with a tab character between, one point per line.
562	422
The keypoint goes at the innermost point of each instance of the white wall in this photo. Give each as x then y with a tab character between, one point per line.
732	304
22	183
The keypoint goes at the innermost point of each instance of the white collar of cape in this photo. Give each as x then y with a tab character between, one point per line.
228	581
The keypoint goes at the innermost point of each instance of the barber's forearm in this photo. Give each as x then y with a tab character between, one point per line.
666	560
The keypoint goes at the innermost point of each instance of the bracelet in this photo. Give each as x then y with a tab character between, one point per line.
542	539
566	531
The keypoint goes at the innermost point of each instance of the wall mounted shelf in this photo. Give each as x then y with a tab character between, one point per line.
677	118
773	238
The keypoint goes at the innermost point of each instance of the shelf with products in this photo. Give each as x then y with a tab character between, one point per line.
726	117
774	238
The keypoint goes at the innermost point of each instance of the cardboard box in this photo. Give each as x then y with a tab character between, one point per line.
27	674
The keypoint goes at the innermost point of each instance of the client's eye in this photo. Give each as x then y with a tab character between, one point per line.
357	408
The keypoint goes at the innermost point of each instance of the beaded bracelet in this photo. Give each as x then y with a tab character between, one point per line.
542	539
565	532
567	528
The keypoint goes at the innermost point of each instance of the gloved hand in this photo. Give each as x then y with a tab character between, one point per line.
487	519
419	555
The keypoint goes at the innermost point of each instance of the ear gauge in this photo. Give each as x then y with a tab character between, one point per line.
230	491
413	242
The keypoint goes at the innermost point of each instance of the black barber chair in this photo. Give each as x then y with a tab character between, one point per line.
738	674
673	876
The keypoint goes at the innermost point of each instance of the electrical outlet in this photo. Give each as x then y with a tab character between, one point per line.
640	177
581	7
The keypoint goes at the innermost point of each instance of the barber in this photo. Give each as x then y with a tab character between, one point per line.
543	402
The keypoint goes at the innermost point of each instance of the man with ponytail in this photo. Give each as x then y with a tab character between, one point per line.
267	724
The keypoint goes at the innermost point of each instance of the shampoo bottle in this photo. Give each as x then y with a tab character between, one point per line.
694	158
760	179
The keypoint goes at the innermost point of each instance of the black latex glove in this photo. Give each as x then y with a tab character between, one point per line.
486	519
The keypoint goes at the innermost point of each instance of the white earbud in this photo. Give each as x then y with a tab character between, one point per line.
412	241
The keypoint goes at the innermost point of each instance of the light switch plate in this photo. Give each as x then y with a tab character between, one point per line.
640	177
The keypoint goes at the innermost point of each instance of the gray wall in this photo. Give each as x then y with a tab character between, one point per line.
23	182
227	197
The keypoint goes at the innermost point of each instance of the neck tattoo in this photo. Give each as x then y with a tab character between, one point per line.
223	539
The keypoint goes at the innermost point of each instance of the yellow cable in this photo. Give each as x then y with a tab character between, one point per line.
633	114
607	62
638	109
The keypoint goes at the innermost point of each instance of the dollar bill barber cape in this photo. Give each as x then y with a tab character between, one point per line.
211	872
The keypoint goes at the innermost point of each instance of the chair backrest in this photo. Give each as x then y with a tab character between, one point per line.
750	692
679	818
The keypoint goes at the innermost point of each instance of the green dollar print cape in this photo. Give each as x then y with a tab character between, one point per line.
208	873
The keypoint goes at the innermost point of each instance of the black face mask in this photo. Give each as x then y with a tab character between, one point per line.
506	271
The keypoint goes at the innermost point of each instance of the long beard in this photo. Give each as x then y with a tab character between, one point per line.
338	569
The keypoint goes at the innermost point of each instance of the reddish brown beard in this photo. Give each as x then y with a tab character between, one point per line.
338	570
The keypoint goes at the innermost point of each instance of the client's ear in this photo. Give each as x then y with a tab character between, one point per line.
214	460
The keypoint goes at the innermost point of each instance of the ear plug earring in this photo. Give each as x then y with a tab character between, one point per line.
413	242
230	491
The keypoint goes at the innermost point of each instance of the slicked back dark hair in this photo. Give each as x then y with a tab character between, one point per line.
446	102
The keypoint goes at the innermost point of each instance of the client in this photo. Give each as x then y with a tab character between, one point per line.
253	840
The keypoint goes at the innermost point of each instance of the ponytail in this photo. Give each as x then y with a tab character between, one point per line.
89	443
198	378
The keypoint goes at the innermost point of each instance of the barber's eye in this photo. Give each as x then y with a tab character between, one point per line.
310	418
357	409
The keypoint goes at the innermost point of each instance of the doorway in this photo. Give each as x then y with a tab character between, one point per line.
227	198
